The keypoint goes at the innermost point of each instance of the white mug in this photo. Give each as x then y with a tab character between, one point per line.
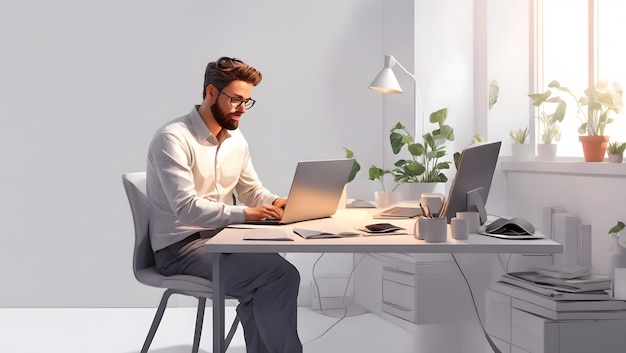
473	220
459	227
433	230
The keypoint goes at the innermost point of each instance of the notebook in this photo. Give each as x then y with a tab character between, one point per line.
315	191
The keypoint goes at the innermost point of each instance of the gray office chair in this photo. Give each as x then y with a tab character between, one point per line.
146	272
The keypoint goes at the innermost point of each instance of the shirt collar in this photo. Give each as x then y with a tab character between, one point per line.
201	130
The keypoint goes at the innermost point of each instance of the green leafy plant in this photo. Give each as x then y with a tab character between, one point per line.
594	106
549	128
616	147
356	167
519	136
376	173
617	228
425	164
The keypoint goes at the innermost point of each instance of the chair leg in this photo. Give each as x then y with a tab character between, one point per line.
231	332
199	321
156	321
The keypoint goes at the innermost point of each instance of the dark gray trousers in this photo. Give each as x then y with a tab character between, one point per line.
265	284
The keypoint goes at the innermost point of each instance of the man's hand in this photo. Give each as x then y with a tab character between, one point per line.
262	212
280	202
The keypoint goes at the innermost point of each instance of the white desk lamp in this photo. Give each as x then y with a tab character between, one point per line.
386	82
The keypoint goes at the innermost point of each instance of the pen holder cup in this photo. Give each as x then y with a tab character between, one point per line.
459	227
473	220
432	230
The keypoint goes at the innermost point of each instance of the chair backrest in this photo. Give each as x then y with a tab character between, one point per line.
135	187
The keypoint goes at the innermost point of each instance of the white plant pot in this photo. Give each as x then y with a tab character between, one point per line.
414	191
616	158
546	151
521	151
385	199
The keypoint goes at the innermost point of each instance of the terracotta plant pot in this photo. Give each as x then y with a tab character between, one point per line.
594	147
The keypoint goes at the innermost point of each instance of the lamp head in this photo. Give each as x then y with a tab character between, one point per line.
386	81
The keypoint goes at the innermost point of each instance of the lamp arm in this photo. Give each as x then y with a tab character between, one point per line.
418	96
405	70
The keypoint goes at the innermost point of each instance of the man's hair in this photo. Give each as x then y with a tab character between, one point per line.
225	70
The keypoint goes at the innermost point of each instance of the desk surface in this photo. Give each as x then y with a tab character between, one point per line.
231	240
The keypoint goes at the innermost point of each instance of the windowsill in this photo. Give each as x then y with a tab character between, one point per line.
565	165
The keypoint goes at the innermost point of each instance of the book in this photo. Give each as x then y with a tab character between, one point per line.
574	285
400	212
565	228
319	234
596	301
584	244
567	315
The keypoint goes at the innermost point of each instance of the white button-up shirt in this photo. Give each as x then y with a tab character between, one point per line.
191	178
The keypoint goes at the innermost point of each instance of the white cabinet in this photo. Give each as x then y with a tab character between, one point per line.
421	289
517	331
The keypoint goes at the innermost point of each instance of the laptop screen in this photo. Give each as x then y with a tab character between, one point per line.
315	190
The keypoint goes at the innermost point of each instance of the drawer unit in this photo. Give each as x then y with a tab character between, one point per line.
399	300
431	293
517	331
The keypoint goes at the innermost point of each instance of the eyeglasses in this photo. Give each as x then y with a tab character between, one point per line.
227	63
235	102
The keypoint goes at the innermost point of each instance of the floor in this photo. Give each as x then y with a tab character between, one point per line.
123	331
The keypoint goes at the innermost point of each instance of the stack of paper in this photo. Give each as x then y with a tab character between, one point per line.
581	298
533	279
565	271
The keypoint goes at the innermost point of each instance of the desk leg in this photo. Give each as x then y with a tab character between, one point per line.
218	306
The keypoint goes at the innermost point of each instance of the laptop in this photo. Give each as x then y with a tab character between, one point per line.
315	191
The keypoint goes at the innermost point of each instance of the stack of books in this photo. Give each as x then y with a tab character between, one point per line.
563	295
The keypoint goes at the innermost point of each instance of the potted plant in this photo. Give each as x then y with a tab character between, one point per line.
520	149
423	170
549	123
594	108
383	198
616	149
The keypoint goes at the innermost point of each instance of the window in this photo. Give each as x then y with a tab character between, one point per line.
565	55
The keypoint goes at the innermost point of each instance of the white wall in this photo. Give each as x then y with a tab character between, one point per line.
593	192
85	84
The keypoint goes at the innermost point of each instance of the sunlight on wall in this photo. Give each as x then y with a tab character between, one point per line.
566	60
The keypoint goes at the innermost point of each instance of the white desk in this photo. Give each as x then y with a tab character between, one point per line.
230	240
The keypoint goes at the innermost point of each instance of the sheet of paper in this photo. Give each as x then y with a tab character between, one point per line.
269	234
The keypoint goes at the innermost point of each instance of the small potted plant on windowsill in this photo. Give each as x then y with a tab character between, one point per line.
594	108
615	150
520	149
549	124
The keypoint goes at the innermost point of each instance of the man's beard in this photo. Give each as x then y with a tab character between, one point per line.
223	119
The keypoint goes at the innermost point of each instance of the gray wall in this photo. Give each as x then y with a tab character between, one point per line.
85	84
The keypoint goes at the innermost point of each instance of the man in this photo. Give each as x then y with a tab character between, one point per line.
195	163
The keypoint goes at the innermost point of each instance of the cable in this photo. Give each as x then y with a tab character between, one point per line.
505	268
491	344
319	297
